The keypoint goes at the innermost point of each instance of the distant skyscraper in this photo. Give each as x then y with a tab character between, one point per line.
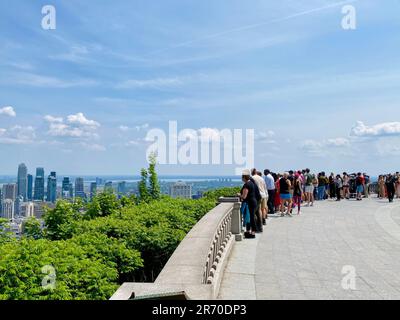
181	190
30	188
66	192
52	187
22	181
108	187
39	185
93	190
121	188
10	191
79	188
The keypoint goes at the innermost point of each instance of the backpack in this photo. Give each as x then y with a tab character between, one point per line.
256	190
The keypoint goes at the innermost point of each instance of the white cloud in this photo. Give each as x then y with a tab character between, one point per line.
123	128
320	148
8	111
338	142
378	130
76	126
142	127
52	119
265	136
18	135
81	120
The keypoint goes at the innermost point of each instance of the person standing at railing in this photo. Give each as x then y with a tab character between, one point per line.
390	186
381	187
339	187
262	205
398	185
346	186
286	196
270	183
297	192
248	197
360	183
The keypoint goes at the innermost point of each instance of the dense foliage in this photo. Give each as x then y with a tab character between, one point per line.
93	248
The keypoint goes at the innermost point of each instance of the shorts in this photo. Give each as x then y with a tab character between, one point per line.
360	189
309	189
286	196
263	203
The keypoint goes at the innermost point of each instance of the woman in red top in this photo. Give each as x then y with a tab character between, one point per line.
277	200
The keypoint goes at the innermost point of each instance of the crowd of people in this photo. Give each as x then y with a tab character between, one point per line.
270	193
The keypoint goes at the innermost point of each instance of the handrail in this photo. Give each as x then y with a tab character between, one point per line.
197	265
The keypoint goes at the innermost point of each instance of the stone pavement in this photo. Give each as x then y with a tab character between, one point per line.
302	257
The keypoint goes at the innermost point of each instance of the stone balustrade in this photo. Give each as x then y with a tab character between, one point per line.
197	265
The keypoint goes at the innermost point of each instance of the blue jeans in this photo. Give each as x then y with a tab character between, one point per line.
321	192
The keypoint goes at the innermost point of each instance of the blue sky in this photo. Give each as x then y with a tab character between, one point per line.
83	96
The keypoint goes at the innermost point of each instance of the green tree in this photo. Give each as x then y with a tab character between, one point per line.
5	234
104	204
143	191
32	228
60	221
24	266
155	190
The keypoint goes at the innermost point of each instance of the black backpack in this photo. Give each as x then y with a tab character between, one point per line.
256	190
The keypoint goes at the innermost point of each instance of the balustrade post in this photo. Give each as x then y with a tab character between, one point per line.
236	222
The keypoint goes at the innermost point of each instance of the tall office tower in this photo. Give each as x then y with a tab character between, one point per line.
29	194
71	190
181	190
79	188
65	189
18	203
39	185
10	191
108	187
121	188
8	209
52	187
22	181
93	190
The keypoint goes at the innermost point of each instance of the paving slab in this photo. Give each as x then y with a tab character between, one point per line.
313	255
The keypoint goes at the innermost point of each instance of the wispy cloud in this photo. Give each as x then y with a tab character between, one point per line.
36	80
157	83
8	111
18	135
378	130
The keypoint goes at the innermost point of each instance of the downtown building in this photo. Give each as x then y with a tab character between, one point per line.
52	187
80	188
181	189
39	185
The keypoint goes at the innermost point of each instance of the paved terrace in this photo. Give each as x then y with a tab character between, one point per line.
302	257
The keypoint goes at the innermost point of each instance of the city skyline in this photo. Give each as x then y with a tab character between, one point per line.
316	95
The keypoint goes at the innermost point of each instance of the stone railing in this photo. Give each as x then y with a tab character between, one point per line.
196	268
